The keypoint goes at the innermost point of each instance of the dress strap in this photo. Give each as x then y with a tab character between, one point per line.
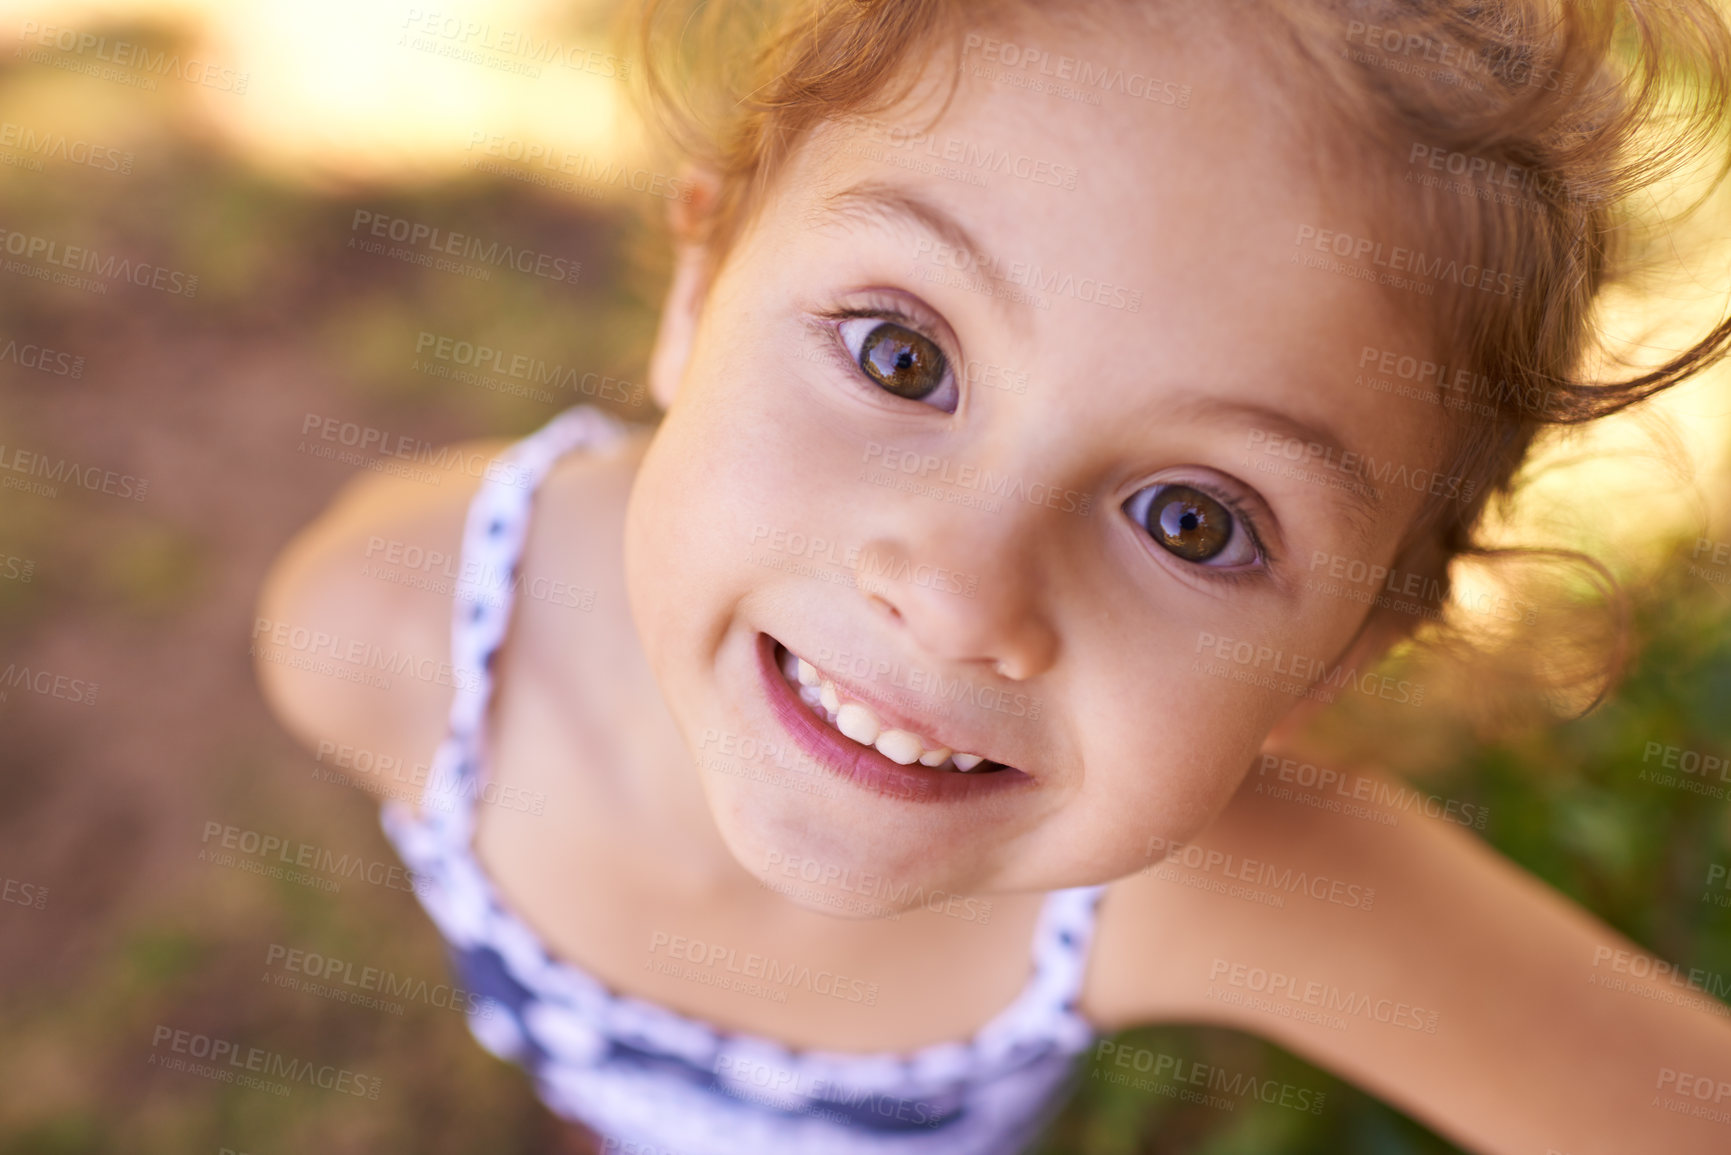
1061	943
488	577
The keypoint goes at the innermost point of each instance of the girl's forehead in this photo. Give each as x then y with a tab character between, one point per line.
1113	150
1117	222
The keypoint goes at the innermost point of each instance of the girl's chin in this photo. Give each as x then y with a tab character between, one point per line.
848	880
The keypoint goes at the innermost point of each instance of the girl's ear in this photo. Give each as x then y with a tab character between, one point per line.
687	219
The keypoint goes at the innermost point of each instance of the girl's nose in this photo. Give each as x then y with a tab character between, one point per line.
994	624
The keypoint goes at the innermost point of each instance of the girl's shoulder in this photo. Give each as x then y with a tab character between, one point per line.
1278	882
351	637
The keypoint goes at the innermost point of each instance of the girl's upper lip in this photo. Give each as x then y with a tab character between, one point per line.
894	717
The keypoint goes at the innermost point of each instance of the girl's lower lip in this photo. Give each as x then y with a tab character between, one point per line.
862	765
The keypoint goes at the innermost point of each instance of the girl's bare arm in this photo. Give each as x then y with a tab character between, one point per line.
360	588
1469	993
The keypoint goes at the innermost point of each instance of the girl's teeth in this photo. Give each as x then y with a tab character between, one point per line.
900	746
857	721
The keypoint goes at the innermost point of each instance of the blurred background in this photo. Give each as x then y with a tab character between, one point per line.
220	220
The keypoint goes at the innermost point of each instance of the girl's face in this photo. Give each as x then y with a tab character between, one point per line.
1013	425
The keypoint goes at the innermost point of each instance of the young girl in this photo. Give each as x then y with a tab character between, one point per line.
1061	406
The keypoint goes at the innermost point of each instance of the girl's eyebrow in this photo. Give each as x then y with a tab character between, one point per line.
1358	504
878	201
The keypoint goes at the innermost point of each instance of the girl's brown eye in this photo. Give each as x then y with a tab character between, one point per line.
1189	523
902	361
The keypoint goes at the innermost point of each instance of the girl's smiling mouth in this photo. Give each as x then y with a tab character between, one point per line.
857	720
870	744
